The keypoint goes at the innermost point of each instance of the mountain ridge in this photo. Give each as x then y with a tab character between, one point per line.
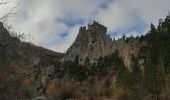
94	67
92	42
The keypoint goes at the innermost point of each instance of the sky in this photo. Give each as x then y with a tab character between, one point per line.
54	24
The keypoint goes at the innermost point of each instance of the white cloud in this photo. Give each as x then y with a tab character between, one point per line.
41	18
64	43
124	14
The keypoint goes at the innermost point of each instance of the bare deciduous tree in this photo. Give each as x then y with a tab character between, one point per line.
3	2
11	12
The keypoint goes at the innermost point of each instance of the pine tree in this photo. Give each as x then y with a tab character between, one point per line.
153	28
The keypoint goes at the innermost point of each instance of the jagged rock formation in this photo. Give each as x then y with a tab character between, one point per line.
127	49
91	43
28	71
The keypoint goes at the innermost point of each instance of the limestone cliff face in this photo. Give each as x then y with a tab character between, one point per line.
91	43
127	49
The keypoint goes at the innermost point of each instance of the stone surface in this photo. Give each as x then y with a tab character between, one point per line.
127	49
91	42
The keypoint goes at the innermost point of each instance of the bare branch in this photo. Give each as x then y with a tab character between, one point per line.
4	3
10	13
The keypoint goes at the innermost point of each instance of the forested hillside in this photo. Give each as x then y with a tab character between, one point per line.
95	67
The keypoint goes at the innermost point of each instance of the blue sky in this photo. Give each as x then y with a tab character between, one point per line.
54	24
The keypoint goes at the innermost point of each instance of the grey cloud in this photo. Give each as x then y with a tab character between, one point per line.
40	18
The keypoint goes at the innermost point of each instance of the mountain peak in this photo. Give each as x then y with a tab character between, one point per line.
93	27
91	42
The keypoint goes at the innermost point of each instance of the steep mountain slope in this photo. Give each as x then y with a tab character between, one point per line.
19	62
95	67
135	68
91	43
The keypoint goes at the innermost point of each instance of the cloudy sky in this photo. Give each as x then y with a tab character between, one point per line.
54	24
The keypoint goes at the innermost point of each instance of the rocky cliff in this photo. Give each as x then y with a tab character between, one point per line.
129	47
28	71
93	42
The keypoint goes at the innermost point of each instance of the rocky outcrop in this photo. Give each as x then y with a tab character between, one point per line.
41	78
91	43
127	48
